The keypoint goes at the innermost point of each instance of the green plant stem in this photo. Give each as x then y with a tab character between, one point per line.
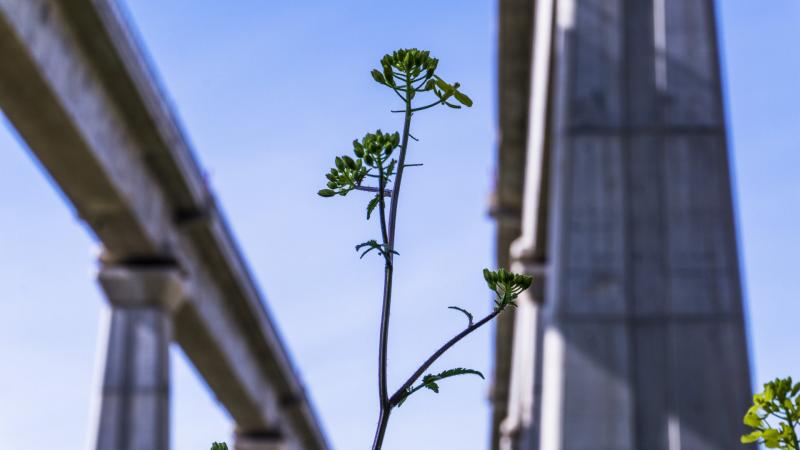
794	432
401	393
386	192
385	405
382	206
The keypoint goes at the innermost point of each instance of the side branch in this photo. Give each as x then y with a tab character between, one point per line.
395	399
386	192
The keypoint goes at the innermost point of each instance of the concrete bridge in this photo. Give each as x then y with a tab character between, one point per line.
614	191
75	86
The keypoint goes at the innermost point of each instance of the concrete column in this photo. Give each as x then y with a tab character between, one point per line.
134	409
267	441
644	344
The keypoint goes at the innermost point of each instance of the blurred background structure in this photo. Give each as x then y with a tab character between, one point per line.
614	191
269	92
75	87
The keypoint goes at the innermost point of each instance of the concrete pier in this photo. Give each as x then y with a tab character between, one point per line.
134	411
642	329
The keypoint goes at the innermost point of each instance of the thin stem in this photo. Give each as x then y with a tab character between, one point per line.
792	426
400	166
422	108
382	205
396	91
385	405
386	192
400	393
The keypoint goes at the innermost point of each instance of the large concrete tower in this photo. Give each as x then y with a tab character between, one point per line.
614	179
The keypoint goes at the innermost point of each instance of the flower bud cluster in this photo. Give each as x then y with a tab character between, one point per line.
346	176
372	151
376	147
507	285
410	63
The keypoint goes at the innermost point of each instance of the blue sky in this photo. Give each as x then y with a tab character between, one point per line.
268	93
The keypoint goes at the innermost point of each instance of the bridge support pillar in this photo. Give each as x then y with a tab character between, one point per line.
266	441
134	405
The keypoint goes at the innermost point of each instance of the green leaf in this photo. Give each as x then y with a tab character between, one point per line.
772	438
752	437
751	419
219	446
466	313
463	99
326	193
371	245
372	204
390	168
430	379
431	385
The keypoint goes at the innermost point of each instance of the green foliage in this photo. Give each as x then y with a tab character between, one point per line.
406	72
506	285
430	381
380	157
780	402
219	446
373	204
347	175
372	244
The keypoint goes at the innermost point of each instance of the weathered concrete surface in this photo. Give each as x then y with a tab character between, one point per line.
643	327
134	402
262	442
74	85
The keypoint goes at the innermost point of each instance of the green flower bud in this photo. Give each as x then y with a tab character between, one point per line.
462	98
332	185
326	193
349	162
389	76
502	275
377	76
339	163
